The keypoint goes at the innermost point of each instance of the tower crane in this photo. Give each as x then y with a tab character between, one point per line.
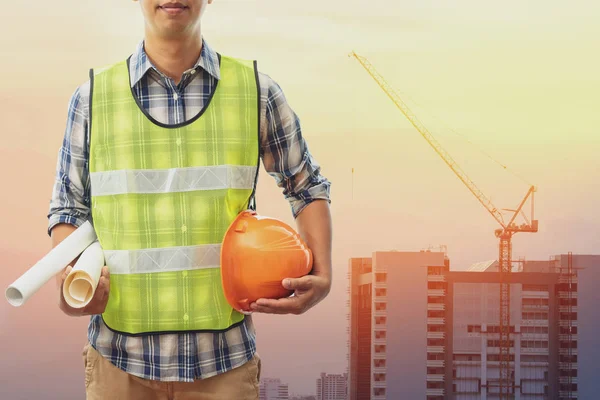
505	233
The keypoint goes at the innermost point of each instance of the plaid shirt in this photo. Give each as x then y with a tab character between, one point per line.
285	155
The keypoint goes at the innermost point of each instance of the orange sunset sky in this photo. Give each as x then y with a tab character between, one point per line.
518	80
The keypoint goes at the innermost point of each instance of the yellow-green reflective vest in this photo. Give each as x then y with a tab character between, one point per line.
163	196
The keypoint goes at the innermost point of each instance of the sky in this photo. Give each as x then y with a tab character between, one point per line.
512	83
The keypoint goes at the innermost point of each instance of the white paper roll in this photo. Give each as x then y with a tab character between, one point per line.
54	262
82	281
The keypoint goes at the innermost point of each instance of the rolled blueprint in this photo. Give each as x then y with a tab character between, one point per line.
54	262
82	281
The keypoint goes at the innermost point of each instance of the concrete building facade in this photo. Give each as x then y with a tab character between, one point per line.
273	389
332	387
434	332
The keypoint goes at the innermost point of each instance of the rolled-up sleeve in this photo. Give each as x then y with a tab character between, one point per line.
285	153
70	194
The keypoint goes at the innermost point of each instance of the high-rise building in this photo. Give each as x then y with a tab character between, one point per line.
332	387
273	389
359	342
433	333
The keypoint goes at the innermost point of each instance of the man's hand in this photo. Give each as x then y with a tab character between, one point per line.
308	291
98	302
100	299
314	225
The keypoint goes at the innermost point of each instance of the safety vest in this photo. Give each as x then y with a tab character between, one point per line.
163	196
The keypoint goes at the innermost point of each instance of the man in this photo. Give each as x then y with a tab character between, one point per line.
141	137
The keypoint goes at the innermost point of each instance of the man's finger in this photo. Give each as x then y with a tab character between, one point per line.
267	310
66	272
101	291
287	305
303	283
104	287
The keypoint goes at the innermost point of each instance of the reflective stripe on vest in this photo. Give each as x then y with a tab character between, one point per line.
163	197
173	180
162	260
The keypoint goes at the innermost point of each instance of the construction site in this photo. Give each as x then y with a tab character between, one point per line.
419	330
500	329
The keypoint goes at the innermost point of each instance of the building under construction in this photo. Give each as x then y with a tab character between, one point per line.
418	330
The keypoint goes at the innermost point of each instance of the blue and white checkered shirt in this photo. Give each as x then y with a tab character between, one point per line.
285	155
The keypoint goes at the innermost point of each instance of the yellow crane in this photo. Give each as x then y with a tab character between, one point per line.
505	233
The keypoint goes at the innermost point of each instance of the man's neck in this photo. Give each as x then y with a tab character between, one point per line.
173	57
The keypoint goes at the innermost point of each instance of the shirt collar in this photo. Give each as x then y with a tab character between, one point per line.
140	63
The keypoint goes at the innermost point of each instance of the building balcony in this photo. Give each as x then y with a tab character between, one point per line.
565	295
496	350
567	352
379	370
535	307
534	364
534	336
565	366
436	306
435	392
435	363
565	379
565	337
565	279
534	351
469	363
382	285
566	309
436	335
535	295
534	322
436	292
565	395
436	278
379	341
435	349
565	323
378	384
436	321
435	378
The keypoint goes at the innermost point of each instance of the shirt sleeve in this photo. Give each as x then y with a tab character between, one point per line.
285	153
70	194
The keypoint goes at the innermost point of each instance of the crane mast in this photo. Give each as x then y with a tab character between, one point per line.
505	382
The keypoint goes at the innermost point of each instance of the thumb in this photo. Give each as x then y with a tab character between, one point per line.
303	283
66	272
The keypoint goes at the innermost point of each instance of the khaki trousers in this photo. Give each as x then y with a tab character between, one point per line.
105	381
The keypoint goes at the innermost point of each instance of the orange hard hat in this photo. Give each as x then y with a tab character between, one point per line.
257	253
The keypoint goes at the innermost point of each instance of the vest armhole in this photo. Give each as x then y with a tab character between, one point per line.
252	200
88	145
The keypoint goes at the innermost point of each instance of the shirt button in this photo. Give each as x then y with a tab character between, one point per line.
193	71
184	274
184	228
178	142
175	96
185	317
